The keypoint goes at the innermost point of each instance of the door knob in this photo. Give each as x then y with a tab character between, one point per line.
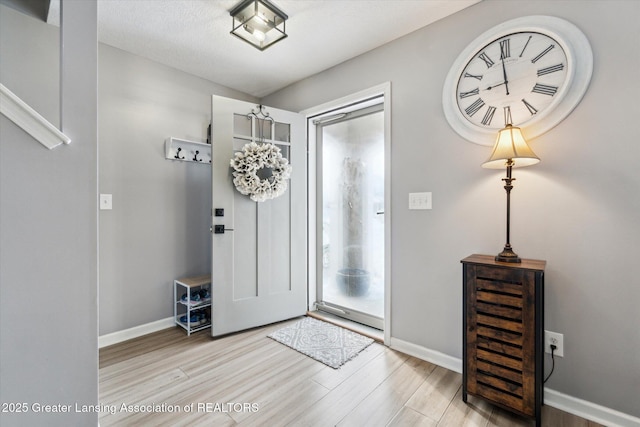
218	229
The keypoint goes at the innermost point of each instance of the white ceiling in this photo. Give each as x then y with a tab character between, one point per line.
193	35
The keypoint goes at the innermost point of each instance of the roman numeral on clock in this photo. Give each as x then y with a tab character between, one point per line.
475	91
530	107
486	59
472	76
551	69
507	115
505	50
525	46
544	89
488	116
475	107
543	53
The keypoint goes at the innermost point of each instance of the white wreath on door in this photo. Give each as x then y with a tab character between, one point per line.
260	159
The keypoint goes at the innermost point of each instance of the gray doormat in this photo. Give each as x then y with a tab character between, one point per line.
322	341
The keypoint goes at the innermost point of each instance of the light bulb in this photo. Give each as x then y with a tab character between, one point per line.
259	35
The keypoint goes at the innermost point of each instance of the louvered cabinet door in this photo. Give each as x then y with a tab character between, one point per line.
503	333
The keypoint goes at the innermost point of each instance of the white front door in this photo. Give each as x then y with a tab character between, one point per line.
259	263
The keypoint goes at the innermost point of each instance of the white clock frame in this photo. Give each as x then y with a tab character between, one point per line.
579	70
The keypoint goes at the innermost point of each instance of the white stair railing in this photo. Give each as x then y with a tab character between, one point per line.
28	119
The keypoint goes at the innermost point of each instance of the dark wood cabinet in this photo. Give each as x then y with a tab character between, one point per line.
503	344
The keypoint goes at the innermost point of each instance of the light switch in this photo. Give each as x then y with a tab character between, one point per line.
420	201
106	202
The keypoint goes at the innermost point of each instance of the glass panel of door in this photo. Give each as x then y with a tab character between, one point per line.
351	188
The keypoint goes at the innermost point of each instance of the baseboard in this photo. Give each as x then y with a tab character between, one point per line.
433	356
573	405
589	410
135	332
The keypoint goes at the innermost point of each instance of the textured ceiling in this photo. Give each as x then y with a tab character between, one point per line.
193	35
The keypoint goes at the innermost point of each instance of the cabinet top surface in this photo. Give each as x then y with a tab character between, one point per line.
528	264
195	281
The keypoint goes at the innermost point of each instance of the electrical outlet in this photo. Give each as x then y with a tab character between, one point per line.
555	339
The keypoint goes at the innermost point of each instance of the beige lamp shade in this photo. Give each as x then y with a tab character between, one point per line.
510	144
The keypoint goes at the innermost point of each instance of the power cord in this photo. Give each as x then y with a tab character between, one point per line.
553	362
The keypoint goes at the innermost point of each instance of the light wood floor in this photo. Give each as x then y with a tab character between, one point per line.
380	387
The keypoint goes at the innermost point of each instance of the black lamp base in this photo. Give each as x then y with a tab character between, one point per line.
507	255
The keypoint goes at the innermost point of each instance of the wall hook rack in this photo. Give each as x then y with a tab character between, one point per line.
183	150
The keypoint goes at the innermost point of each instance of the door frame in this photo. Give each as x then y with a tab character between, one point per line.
328	109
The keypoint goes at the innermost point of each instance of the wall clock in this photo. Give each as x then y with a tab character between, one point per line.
532	71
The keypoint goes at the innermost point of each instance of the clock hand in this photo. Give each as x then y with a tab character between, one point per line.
504	73
494	86
505	82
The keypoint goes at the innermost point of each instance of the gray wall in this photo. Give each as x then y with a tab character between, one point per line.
36	8
48	221
158	229
578	209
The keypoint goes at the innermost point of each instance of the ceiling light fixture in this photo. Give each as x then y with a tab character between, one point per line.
258	22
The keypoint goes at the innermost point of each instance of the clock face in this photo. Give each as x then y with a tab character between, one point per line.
530	71
513	79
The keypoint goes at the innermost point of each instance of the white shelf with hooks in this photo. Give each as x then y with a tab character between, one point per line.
187	151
